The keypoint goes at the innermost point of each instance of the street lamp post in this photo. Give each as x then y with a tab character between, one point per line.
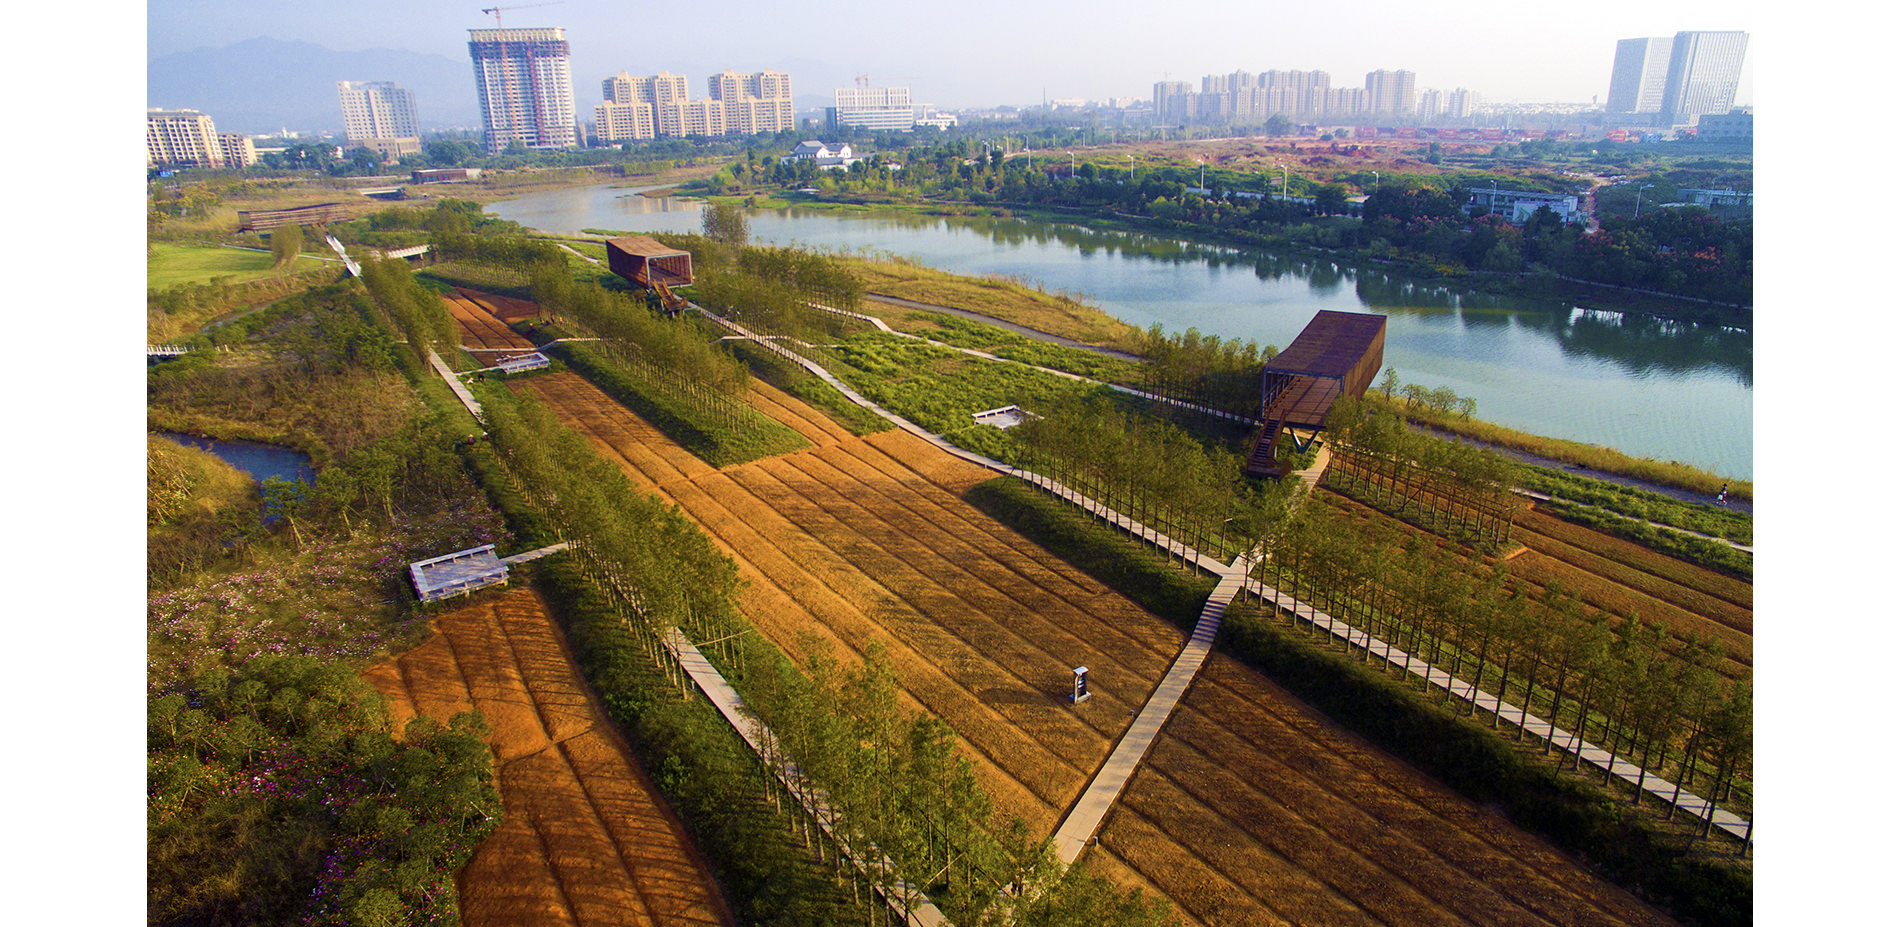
1282	168
1131	168
1639	201
1071	165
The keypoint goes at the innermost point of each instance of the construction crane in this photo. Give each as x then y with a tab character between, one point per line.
497	9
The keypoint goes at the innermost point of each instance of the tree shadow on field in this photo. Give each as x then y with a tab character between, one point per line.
999	696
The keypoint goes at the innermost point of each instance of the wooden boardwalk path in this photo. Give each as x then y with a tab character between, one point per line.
1111	778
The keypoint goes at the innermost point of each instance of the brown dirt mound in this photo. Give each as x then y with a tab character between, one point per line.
585	839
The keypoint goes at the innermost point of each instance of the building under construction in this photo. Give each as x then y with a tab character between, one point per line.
1337	354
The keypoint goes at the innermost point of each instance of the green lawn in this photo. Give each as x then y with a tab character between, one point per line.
168	265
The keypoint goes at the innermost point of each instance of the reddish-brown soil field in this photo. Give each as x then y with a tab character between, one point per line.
505	308
480	327
1250	810
585	838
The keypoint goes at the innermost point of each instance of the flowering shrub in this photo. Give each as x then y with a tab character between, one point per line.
278	795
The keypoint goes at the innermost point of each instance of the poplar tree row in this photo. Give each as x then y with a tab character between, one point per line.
1151	471
1203	370
1621	682
648	556
1444	486
417	314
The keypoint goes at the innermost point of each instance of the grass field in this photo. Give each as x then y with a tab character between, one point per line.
1054	313
167	265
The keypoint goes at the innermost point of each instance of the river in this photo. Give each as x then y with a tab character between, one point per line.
1645	386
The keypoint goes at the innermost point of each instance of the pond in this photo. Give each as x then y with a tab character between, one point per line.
261	461
1646	386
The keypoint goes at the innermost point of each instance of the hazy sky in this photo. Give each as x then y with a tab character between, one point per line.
969	53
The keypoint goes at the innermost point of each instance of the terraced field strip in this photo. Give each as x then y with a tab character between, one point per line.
480	327
585	839
505	308
1254	809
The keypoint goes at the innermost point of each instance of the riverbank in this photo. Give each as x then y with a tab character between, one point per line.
1528	285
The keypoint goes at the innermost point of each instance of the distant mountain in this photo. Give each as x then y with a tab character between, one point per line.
262	85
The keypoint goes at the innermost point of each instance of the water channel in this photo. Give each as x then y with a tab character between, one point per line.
1649	387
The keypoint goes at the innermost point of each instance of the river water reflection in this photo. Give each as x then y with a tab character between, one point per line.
1670	390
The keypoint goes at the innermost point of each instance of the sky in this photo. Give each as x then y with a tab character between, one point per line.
978	53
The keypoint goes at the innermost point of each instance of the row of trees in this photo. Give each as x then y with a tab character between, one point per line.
769	289
1444	486
1204	370
1639	692
416	313
1151	471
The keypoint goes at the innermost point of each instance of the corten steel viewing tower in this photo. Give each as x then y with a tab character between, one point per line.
645	262
1337	354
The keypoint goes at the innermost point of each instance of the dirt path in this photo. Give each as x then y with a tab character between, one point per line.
585	840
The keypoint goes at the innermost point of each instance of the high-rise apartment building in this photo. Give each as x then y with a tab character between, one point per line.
658	107
181	137
377	109
754	103
381	116
189	137
880	109
1391	93
1704	70
1694	74
1637	77
524	87
1173	101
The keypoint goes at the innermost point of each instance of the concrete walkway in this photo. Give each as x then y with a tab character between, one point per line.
455	383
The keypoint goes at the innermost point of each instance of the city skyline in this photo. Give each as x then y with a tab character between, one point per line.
995	53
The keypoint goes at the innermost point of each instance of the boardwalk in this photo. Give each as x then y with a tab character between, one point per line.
1085	817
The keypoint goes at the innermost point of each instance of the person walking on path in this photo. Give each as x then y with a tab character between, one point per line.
1721	498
